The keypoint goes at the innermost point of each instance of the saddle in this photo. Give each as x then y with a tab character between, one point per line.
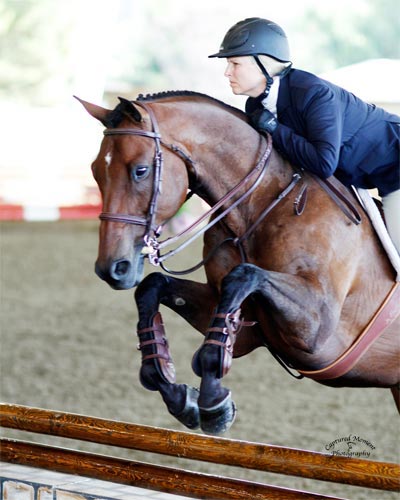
390	309
373	209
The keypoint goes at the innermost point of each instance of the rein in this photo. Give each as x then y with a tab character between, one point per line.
152	245
386	314
259	168
237	241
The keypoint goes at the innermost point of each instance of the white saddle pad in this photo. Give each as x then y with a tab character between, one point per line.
375	217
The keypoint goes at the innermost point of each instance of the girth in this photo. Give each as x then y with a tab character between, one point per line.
386	314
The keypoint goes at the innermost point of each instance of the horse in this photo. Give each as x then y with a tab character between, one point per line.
286	266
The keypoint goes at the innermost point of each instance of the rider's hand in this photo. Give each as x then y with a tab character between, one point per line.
263	120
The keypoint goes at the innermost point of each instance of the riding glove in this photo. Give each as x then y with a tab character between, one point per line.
263	120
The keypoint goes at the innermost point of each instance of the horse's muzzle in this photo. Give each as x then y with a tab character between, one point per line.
120	274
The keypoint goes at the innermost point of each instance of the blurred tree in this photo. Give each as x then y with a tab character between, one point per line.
170	45
33	48
163	44
342	37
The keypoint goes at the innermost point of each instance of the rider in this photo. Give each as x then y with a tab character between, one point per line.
316	125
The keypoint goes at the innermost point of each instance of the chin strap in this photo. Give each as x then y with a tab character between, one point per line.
269	78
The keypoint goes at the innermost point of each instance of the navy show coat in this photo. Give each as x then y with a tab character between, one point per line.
327	130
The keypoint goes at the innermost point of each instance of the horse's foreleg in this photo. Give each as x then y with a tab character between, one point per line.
192	301
284	293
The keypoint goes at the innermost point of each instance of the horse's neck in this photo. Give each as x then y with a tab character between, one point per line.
225	149
238	173
226	166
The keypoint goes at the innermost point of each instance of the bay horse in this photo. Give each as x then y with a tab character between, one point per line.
286	268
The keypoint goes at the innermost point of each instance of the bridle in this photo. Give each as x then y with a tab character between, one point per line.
158	162
152	246
152	230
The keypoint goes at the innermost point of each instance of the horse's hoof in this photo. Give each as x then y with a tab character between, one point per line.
190	416
219	418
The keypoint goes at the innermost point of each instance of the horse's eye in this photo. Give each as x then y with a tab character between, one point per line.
140	172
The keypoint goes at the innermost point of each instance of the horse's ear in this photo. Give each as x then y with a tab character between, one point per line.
130	109
96	111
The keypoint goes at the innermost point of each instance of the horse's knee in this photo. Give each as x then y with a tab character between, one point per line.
242	273
237	285
148	295
154	281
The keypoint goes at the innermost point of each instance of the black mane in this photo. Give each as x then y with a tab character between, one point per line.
115	117
184	93
169	93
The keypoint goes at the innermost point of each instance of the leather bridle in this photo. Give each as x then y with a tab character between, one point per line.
152	231
158	162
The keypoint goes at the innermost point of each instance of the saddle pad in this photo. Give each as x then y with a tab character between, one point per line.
376	219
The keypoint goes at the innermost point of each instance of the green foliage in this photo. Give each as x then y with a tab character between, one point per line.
151	45
344	36
33	47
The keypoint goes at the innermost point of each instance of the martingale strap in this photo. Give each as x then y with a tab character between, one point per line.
387	313
331	187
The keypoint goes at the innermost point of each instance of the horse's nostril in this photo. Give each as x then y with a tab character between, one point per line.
120	268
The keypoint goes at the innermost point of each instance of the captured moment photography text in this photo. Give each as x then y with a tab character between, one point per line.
350	446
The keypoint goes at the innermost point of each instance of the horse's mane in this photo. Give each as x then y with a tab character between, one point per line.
186	93
116	116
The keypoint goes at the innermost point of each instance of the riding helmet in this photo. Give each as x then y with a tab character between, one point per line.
255	36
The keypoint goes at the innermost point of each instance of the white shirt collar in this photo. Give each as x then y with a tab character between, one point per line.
270	102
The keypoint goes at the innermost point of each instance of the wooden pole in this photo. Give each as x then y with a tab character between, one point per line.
143	475
264	457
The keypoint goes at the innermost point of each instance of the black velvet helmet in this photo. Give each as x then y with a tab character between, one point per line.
255	36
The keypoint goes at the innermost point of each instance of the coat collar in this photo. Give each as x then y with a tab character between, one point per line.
284	100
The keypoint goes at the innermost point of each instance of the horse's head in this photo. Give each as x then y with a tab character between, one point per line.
138	194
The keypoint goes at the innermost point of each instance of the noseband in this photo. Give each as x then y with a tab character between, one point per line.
152	232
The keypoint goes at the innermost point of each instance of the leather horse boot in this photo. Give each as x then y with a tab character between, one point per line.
157	363
153	344
223	336
217	418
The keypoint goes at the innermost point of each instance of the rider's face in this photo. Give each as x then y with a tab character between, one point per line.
245	77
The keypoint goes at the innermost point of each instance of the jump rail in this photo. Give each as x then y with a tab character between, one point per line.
268	458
